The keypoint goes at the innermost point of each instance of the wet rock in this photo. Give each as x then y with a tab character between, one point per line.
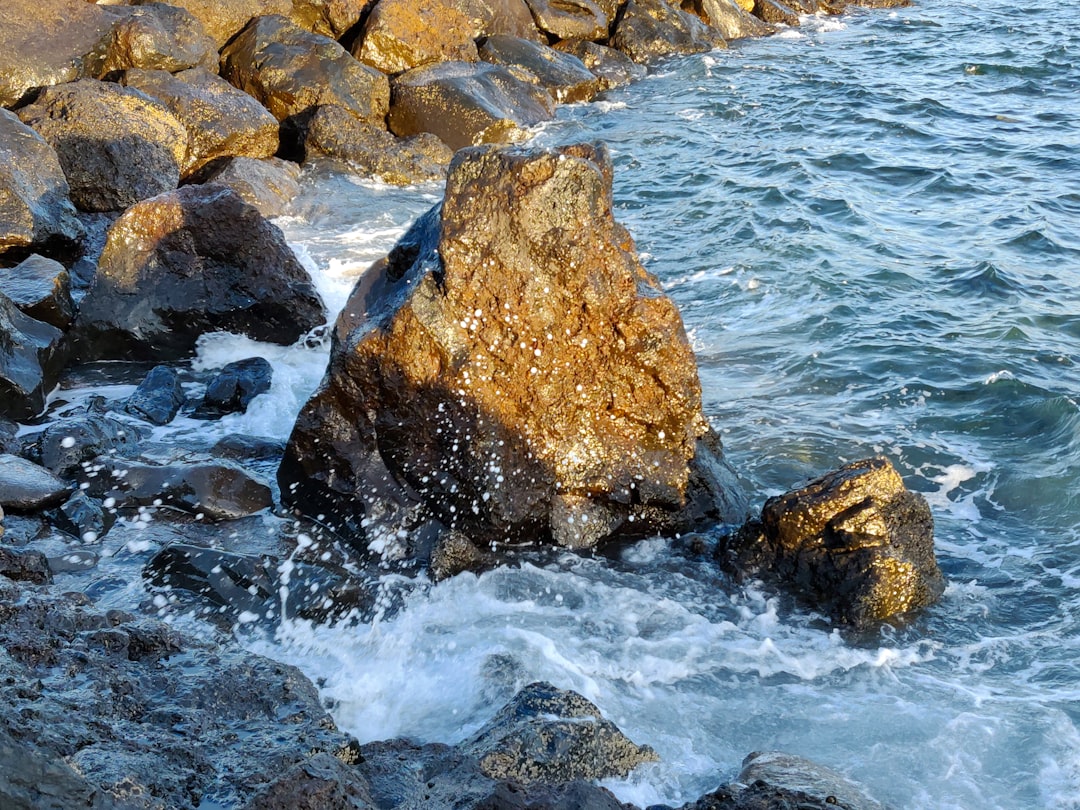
40	288
24	566
32	780
402	34
881	3
82	517
553	735
570	19
233	388
322	783
25	486
331	18
157	36
22	530
490	17
221	120
223	19
31	358
67	445
650	29
510	367
240	447
9	442
269	185
195	260
216	490
116	145
466	104
612	68
854	542
561	74
158	398
35	206
732	20
773	11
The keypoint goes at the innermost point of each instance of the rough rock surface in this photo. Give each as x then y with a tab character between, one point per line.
25	486
157	36
331	18
775	12
855	542
82	517
650	29
24	566
224	18
195	260
570	19
67	445
612	68
35	204
158	398
232	389
561	74
40	288
729	18
31	358
489	17
511	367
116	145
467	104
269	185
403	34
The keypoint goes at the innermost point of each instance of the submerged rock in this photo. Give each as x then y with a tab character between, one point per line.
855	542
32	354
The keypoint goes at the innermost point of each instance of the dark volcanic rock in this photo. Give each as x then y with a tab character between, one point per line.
855	542
324	782
82	517
116	145
222	19
240	447
25	486
513	368
612	68
650	29
67	445
233	388
467	104
32	780
24	566
158	398
403	34
269	185
40	288
729	18
570	19
31	358
196	260
561	74
35	206
157	36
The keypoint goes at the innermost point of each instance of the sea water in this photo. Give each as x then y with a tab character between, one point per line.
871	225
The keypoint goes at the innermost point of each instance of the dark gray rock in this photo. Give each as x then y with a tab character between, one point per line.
561	74
24	566
156	36
612	68
651	29
158	398
25	486
239	447
233	388
82	517
68	445
33	780
570	19
323	782
9	443
269	185
40	288
32	355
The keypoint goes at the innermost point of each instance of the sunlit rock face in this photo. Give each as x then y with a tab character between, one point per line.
512	372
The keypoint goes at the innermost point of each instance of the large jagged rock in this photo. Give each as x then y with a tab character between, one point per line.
223	19
611	68
467	104
195	260
732	20
157	36
512	368
40	288
35	206
561	74
270	184
116	145
331	18
221	120
403	34
855	542
650	29
571	19
490	17
32	355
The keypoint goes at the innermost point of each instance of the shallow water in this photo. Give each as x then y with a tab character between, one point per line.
872	229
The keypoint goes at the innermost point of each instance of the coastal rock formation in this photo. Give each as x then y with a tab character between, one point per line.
223	19
269	185
773	11
83	517
116	145
570	19
40	288
402	34
855	542
31	358
563	75
650	29
513	370
612	68
195	260
157	36
732	20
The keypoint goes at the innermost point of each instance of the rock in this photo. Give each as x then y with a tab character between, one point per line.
195	260
35	207
24	566
611	68
233	388
570	19
561	74
40	288
223	19
9	442
732	20
269	185
854	542
322	783
47	42
216	490
240	447
221	121
291	71
331	18
25	486
402	34
336	133
650	29
881	3
157	36
490	17
82	517
116	145
511	367
466	104
158	398
773	11
67	445
551	735
31	358
30	780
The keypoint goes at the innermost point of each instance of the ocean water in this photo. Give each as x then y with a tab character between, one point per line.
871	226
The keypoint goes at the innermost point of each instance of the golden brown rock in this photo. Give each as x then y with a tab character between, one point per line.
268	184
729	18
224	18
331	18
489	17
560	73
571	19
157	37
650	29
403	34
775	12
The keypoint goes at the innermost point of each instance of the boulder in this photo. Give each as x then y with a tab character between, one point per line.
775	12
331	18
732	20
195	260
82	517
220	120
552	735
611	68
157	36
68	445
158	398
40	288
223	19
336	133
35	203
269	184
512	368
25	486
402	34
467	104
570	19
651	29
854	542
116	145
561	74
32	355
233	388
490	17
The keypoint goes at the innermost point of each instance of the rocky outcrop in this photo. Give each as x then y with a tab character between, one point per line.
31	357
611	68
83	517
650	29
511	369
854	542
195	260
269	185
157	36
563	75
223	19
25	486
116	145
40	288
402	34
465	104
570	19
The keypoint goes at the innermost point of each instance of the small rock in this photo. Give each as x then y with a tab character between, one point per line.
561	74
269	185
25	486
239	447
775	12
158	398
82	517
40	288
66	445
9	443
232	390
401	34
32	355
650	29
570	19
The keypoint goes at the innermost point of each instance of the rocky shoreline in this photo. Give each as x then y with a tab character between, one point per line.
509	378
